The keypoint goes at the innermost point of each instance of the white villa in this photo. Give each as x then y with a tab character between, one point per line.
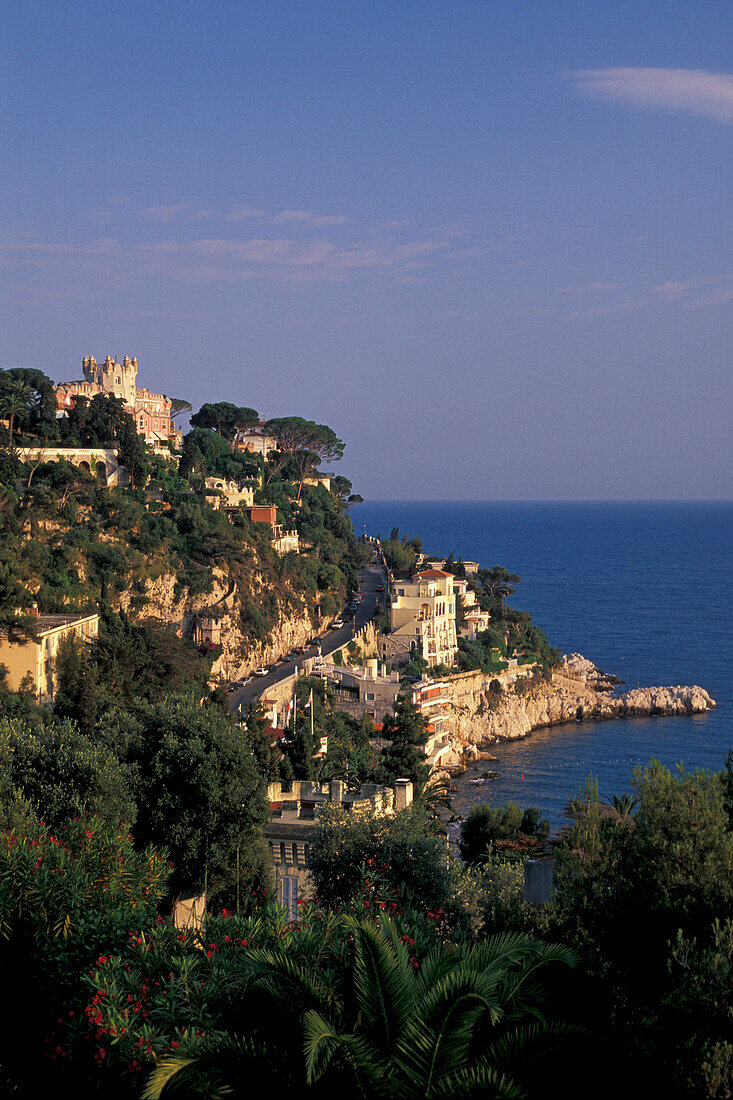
476	620
423	613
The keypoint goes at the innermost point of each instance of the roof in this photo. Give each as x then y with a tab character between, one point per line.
433	574
47	623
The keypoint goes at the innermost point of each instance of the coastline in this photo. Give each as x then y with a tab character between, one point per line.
488	711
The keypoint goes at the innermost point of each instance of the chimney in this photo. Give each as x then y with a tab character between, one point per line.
402	794
336	790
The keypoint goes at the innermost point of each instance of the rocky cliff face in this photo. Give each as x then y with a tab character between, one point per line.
240	654
163	600
486	717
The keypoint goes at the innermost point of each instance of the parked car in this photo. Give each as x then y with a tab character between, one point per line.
234	685
262	671
337	624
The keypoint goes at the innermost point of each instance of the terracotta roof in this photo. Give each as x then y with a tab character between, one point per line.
433	574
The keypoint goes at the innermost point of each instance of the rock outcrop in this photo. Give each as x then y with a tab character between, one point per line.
489	716
164	599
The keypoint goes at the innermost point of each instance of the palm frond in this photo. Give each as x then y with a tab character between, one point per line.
166	1071
382	985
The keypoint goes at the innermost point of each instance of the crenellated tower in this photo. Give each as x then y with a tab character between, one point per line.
116	378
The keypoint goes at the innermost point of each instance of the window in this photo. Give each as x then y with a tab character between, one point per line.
288	895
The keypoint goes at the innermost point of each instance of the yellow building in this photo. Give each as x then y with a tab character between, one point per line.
34	661
424	609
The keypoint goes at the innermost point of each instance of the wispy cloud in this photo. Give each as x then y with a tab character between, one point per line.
187	212
690	90
241	213
175	211
607	299
221	259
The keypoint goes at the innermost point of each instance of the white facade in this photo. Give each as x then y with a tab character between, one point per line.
223	493
426	608
255	441
476	620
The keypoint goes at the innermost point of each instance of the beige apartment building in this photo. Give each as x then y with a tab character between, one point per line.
423	610
36	659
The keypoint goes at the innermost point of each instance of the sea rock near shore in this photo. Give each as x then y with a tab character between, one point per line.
580	668
484	719
665	700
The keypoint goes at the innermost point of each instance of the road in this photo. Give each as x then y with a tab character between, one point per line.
369	579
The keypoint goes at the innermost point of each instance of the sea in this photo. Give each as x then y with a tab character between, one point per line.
643	589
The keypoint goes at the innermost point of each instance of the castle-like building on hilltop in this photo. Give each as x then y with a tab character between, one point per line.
152	411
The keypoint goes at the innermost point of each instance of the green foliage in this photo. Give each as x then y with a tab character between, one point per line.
199	793
138	661
304	445
60	772
694	1022
628	886
249	999
65	897
416	862
266	755
224	418
502	831
406	730
401	554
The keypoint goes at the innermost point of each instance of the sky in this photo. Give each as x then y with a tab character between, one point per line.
488	243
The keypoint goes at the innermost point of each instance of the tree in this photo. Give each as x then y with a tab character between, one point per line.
306	442
626	887
77	693
199	793
501	830
456	1026
16	398
342	489
178	406
66	896
465	1023
225	418
44	406
267	755
132	452
60	772
406	730
495	585
97	422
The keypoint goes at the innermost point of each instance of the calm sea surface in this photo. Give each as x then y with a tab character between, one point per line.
645	590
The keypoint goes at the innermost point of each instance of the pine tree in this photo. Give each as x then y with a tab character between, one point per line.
266	754
407	731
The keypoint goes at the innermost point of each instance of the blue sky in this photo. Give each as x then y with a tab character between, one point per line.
488	243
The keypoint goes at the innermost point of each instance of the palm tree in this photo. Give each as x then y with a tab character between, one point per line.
17	398
623	805
457	1026
464	1023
